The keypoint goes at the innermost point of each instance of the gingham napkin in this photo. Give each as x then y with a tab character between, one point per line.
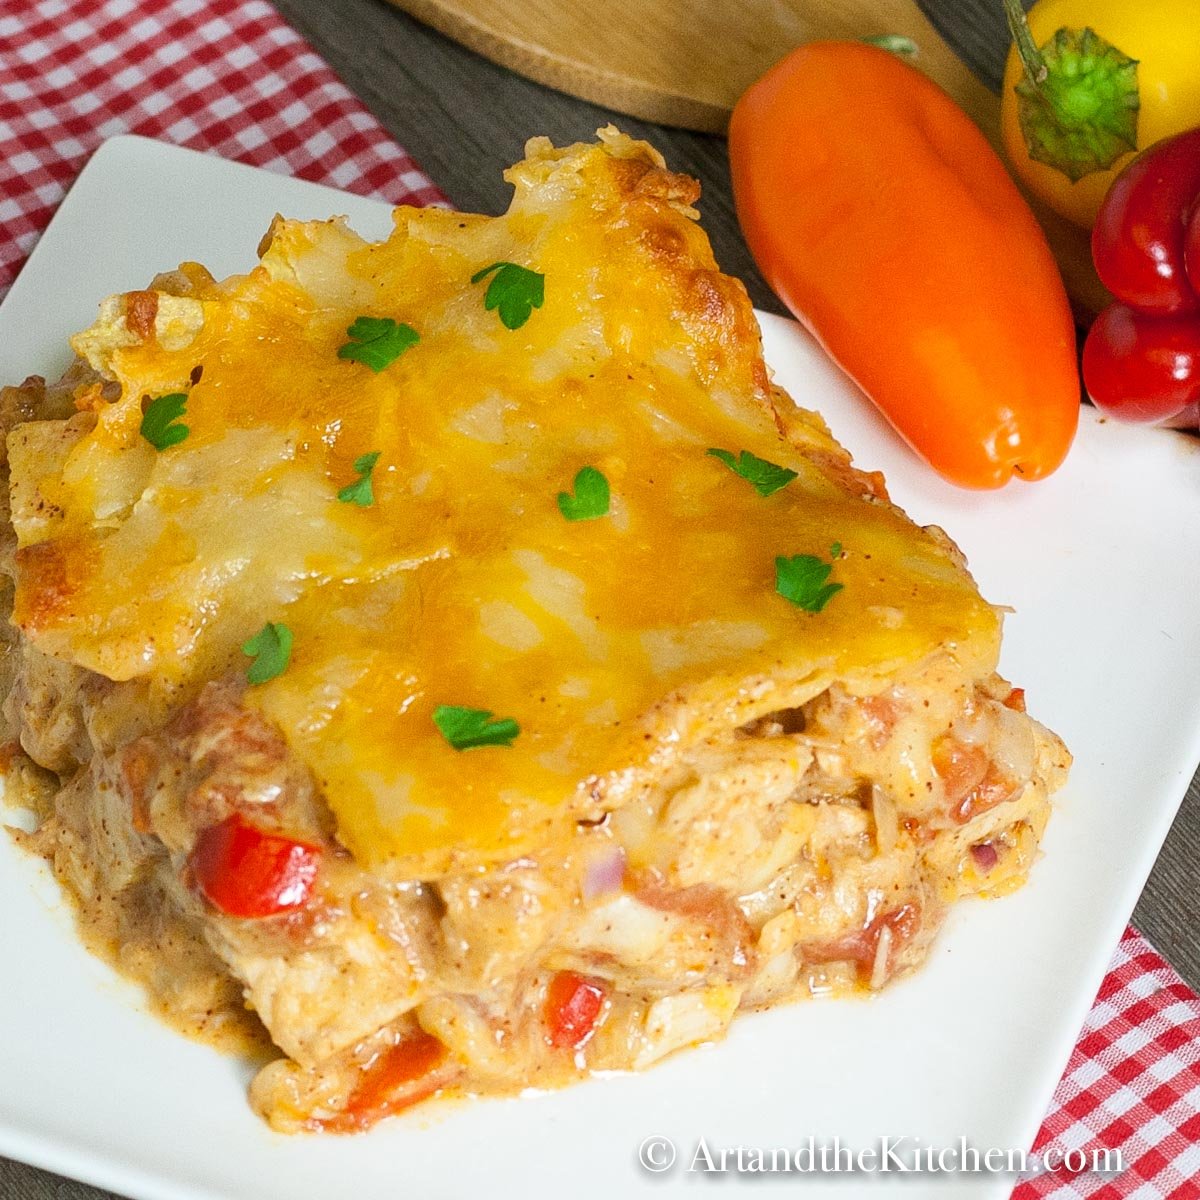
1133	1084
226	76
229	77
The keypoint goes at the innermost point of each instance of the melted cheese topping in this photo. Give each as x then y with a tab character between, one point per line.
611	641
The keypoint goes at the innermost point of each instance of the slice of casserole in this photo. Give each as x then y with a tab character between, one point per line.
455	653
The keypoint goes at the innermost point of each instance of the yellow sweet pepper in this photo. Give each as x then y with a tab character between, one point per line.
1090	82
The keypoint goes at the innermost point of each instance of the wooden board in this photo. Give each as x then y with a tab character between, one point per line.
685	62
678	62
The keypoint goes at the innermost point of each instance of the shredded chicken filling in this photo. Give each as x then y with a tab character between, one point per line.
812	850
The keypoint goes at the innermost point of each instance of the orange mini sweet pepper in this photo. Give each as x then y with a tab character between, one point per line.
883	219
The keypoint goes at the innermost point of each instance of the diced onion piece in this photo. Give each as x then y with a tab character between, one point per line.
1013	747
604	873
887	823
883	950
684	1020
985	856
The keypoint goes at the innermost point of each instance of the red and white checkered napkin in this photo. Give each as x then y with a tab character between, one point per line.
1133	1084
228	76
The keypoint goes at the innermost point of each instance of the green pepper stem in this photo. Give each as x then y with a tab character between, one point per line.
1030	55
1078	101
896	43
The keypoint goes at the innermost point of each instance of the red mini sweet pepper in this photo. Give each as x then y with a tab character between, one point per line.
1141	361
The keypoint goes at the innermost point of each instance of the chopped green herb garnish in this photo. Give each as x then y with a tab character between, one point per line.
766	477
802	579
590	499
158	427
515	291
271	648
360	491
467	728
377	342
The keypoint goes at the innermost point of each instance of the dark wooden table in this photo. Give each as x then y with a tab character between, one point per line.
465	120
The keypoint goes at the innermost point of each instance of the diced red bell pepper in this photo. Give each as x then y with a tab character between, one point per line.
398	1078
246	872
573	1006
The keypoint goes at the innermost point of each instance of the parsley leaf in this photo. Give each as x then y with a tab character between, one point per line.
766	477
802	579
590	499
360	491
158	426
515	291
468	728
271	648
377	342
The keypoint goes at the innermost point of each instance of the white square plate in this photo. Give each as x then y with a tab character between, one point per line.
1100	564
